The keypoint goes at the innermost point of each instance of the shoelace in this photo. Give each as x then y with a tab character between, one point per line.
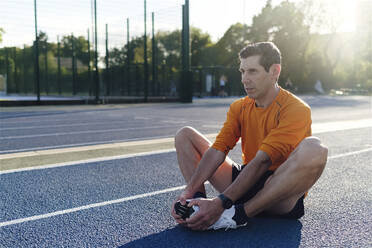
223	220
231	225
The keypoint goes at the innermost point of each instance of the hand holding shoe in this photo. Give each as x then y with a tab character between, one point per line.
209	212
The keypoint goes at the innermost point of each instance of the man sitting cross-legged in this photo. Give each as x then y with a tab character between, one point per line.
281	160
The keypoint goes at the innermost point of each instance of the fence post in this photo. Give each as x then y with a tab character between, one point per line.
59	66
128	58
122	74
185	92
46	67
96	74
107	64
73	65
146	70
154	60
15	70
24	70
37	69
89	68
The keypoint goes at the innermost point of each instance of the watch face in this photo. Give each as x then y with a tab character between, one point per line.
228	203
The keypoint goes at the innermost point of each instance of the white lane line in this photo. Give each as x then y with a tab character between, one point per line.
83	132
86	161
43	148
340	125
350	153
129	198
94	205
154	142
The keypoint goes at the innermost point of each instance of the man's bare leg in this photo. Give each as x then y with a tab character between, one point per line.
190	147
291	180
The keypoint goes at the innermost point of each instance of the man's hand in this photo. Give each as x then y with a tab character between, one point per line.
209	212
186	194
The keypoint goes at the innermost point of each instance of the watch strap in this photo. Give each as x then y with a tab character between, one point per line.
226	202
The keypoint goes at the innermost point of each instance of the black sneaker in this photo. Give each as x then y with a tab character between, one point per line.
183	210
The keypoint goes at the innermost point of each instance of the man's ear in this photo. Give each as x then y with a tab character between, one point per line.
275	70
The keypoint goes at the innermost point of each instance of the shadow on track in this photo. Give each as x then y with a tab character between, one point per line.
258	233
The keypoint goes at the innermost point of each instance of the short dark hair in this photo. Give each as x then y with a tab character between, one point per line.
269	53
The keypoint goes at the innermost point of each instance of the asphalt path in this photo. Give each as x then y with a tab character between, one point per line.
40	128
125	202
73	128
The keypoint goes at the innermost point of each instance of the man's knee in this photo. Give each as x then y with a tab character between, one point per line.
184	133
311	152
315	146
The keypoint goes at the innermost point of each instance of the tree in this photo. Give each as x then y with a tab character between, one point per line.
1	34
118	56
200	42
262	23
169	45
2	54
168	49
285	26
329	45
291	34
228	47
81	47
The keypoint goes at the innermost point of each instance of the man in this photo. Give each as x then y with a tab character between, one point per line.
281	159
222	92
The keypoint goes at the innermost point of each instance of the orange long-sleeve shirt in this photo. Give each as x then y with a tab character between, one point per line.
276	130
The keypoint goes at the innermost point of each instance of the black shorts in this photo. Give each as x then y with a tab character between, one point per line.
297	211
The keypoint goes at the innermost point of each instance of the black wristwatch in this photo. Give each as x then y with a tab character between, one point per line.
226	202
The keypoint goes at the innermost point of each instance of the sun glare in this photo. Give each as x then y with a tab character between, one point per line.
344	15
334	15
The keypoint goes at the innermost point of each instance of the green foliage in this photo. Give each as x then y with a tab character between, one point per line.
200	42
1	34
80	48
229	46
285	26
363	74
337	60
169	48
117	56
262	23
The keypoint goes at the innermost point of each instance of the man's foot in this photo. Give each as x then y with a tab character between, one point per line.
230	218
184	211
227	220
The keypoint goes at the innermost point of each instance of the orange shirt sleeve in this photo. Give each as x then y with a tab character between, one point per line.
230	132
294	125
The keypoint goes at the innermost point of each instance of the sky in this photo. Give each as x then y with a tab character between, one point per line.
63	17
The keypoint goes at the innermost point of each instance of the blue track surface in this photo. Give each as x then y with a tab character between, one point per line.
338	212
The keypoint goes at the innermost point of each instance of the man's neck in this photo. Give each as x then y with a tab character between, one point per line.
265	101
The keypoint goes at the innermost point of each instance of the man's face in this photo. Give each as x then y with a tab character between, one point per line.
256	81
